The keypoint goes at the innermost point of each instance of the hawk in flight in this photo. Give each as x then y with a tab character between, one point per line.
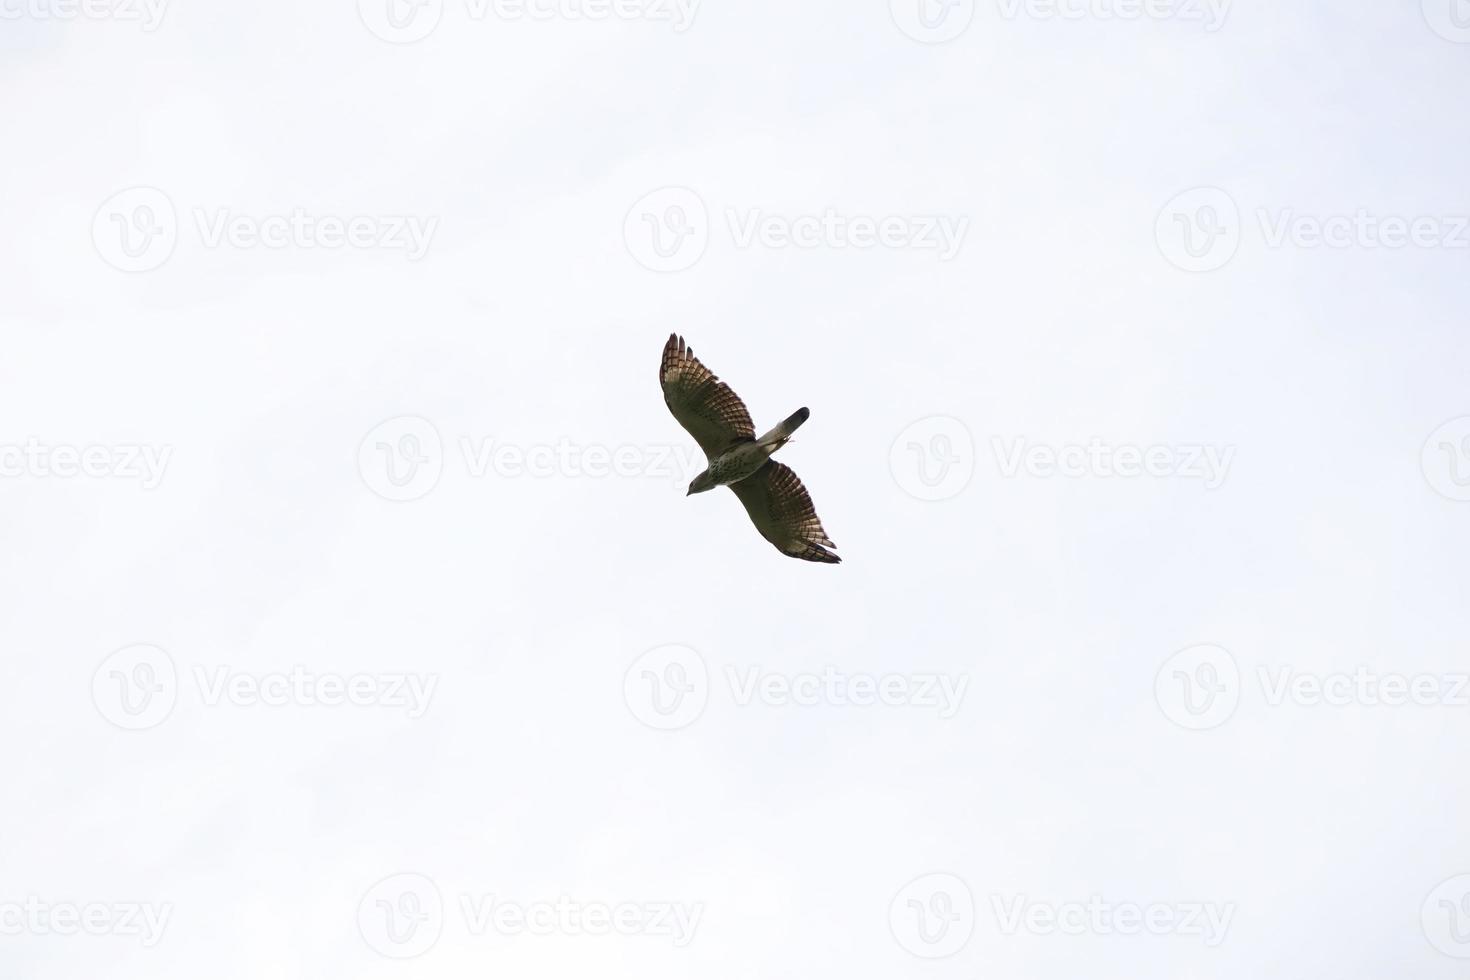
777	503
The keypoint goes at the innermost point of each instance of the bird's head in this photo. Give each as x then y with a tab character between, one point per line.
701	483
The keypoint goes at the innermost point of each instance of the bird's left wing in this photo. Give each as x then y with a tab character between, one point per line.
782	512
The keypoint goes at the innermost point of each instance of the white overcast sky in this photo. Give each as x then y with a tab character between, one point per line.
1168	434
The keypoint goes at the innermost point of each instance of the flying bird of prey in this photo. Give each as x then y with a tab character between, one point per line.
777	503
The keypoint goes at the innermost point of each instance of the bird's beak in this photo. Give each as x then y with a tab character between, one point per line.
689	491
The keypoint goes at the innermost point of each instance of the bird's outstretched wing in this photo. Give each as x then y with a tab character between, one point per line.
782	512
703	404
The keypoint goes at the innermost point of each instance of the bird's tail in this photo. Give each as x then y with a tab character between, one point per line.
781	434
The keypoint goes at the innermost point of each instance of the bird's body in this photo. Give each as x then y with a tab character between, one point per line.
745	457
714	415
736	463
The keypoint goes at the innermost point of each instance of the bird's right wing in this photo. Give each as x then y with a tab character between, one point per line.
703	404
782	512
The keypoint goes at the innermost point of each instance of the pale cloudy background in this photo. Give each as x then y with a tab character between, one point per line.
237	474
